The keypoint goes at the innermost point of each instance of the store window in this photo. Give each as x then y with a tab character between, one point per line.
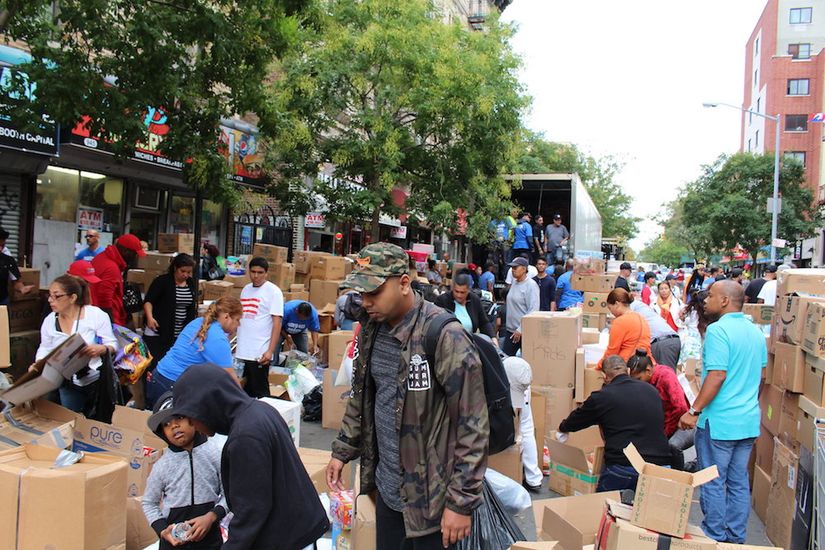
182	218
61	191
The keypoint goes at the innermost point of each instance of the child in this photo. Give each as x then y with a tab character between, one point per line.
185	484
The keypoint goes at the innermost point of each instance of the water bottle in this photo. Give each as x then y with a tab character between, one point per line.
181	531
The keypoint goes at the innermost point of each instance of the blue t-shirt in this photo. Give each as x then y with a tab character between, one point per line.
86	254
569	297
735	345
463	317
186	351
523	235
486	278
294	325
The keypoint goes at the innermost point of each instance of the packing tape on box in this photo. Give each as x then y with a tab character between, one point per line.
587	478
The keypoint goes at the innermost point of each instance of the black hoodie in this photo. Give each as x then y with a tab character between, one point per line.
265	483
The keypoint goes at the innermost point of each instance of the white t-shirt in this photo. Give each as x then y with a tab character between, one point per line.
531	272
95	323
768	293
259	305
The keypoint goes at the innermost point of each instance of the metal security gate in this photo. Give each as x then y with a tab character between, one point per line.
10	207
262	226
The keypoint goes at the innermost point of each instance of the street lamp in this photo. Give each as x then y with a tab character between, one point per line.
775	210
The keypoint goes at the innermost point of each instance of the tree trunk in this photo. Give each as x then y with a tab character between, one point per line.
376	229
5	17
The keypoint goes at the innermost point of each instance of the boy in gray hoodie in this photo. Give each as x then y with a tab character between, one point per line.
185	483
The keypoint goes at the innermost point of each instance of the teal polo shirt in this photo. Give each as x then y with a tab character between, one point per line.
735	345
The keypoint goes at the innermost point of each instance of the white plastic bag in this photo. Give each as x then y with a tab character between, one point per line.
344	377
513	496
300	383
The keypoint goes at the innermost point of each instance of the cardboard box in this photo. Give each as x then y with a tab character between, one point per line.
809	412
326	321
238	281
803	281
663	495
590	336
574	521
592	320
291	413
282	275
303	260
763	449
5	338
575	464
139	534
804	501
323	292
767	372
337	347
329	268
788	427
334	401
770	403
558	403
595	303
176	242
296	287
23	349
315	461
25	314
303	296
813	383
761	492
761	314
593	283
77	506
274	255
154	261
788	367
617	532
540	545
40	422
549	343
29	277
790	313
781	500
538	406
213	290
508	463
589	266
363	529
813	337
592	380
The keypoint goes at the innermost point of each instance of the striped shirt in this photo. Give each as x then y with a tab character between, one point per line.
384	367
183	299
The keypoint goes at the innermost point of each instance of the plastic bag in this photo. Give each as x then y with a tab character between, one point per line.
300	383
492	527
344	377
513	496
312	405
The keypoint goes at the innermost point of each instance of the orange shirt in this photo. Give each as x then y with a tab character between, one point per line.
628	333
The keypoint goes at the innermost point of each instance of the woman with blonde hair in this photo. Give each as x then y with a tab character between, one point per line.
203	340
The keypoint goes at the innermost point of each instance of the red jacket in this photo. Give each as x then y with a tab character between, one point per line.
674	401
109	266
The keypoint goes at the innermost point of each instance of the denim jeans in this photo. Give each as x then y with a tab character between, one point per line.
615	477
156	385
726	500
299	340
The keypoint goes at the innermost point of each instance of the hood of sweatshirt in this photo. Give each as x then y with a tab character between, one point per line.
207	393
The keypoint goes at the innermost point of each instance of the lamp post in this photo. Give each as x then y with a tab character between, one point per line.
775	210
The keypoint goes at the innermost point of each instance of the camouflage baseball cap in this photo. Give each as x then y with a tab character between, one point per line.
375	264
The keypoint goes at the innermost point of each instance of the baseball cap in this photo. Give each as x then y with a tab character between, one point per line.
771	269
84	270
557	217
375	264
132	243
163	411
625	265
519	261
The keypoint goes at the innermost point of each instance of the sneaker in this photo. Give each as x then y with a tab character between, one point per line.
531	488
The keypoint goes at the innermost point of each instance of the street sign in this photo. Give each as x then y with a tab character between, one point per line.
779	243
89	218
315	220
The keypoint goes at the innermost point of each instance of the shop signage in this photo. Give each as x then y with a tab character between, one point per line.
398	232
42	140
244	154
315	220
89	218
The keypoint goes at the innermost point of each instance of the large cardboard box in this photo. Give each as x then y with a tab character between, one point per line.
574	521
213	290
809	412
802	281
618	532
813	338
139	534
289	296
813	384
770	403
761	314
334	401
763	450
549	343
781	501
595	303
337	347
363	524
592	320
40	422
788	426
303	260
29	277
329	268
591	380
238	281
761	492
322	292
290	412
589	335
589	266
663	494
282	275
558	403
5	337
790	314
154	261
25	314
315	461
272	254
508	463
82	505
538	406
23	349
176	242
593	283
789	367
575	464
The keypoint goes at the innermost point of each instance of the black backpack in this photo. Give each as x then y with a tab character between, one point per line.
496	385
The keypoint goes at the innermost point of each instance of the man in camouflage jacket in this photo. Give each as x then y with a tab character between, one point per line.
438	412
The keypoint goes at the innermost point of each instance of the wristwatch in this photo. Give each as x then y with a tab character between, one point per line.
694	412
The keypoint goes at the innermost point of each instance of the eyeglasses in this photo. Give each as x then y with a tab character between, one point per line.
55	297
91	236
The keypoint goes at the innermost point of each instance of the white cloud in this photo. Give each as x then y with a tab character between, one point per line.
629	79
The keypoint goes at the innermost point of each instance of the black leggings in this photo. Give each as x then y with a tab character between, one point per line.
391	534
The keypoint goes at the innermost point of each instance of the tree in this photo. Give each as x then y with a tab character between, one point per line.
114	61
662	250
541	156
385	95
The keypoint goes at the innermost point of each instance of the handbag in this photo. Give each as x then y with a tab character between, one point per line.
132	299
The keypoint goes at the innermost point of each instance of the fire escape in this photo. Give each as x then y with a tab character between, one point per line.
478	12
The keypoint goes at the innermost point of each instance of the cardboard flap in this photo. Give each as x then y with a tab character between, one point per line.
636	459
567	455
703	476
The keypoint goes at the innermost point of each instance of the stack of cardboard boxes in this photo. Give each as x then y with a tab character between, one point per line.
149	267
590	278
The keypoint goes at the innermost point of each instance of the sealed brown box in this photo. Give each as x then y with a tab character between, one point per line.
296	288
303	296
238	281
809	412
508	463
788	427
575	464
781	500
82	505
761	314
303	260
788	367
807	281
282	275
558	403
813	384
813	338
329	268
763	449
590	336
272	254
538	405
663	494
595	303
589	266
29	277
25	314
338	341
770	403
592	320
790	313
334	401
176	242
154	261
593	283
574	521
212	290
326	321
592	380
323	292
23	346
549	343
761	492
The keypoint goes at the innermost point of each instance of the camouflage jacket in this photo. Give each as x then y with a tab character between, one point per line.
441	418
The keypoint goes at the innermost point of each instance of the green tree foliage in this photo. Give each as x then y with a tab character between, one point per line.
539	156
386	95
664	251
200	61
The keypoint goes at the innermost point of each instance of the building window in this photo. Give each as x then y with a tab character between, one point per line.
758	104
796	123
801	16
756	47
795	156
799	51
749	146
756	77
799	86
756	139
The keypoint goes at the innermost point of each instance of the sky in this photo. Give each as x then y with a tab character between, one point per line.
629	78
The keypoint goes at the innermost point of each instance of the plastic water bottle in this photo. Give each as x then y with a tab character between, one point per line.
181	531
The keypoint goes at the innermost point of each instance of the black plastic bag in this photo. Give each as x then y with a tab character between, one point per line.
492	527
312	405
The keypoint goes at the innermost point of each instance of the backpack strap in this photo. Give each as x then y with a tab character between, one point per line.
434	330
